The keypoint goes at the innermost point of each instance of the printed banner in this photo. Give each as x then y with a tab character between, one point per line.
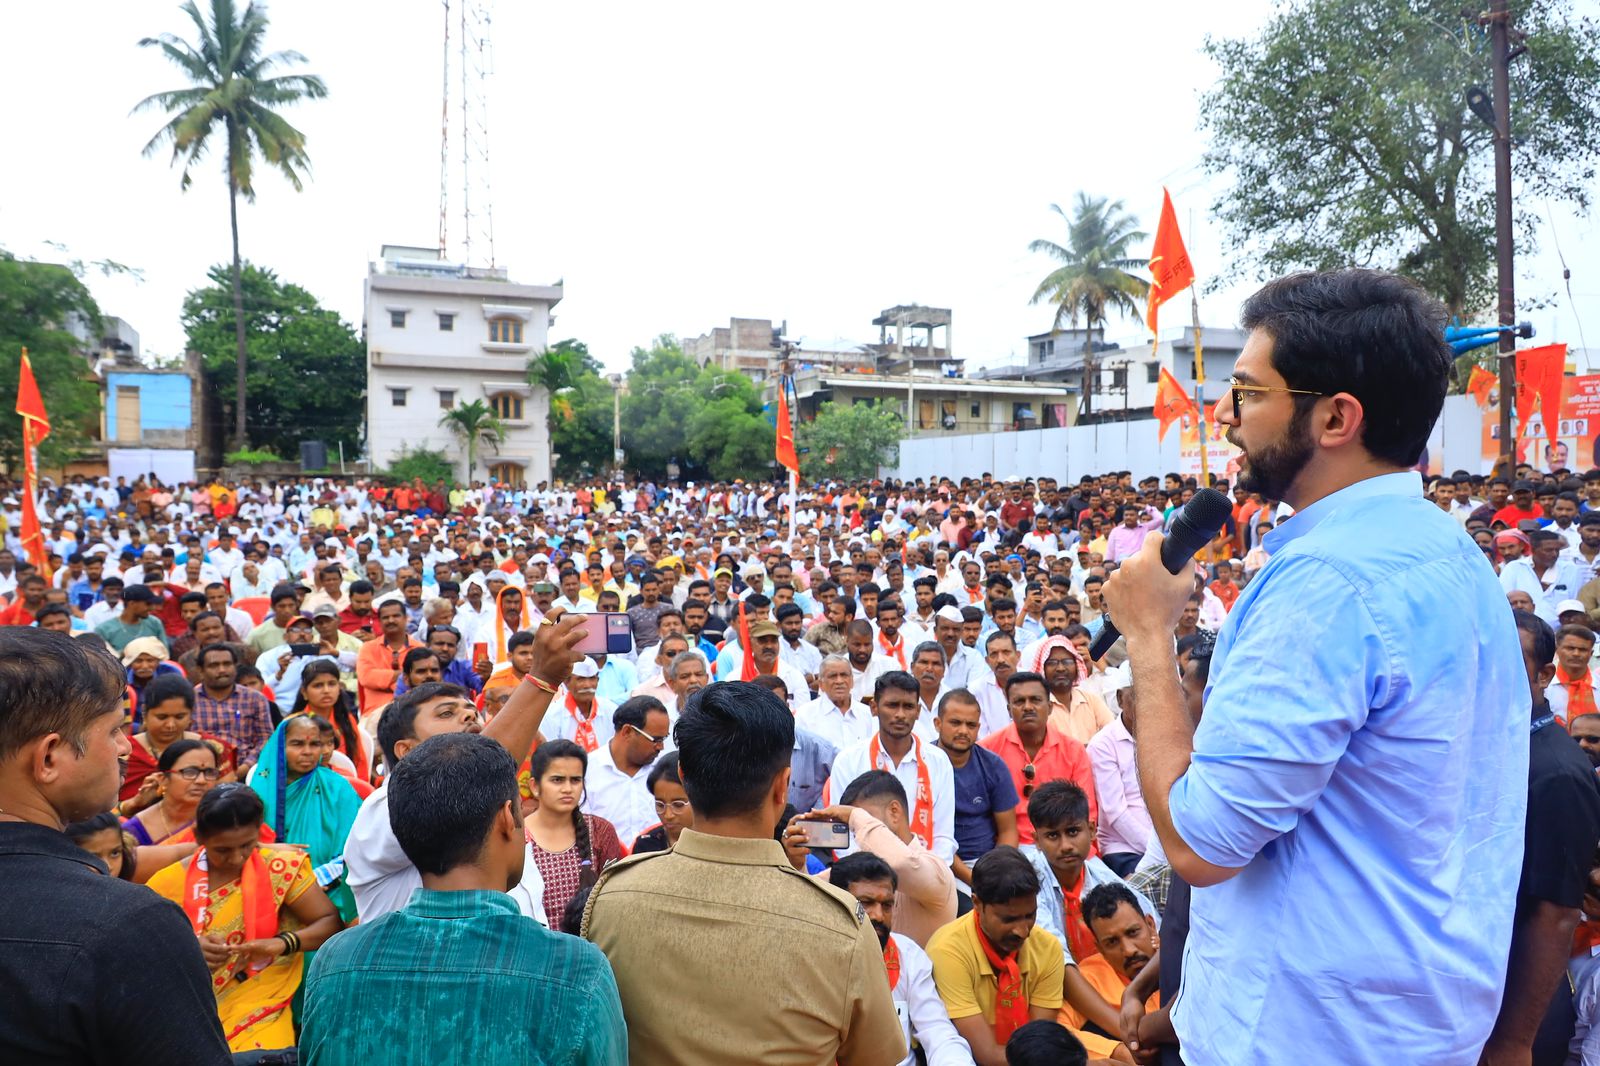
1222	457
1575	437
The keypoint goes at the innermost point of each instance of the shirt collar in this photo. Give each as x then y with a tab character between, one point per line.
470	903
736	851
1401	483
29	838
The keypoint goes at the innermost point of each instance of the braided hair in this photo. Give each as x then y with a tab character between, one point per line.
538	765
344	719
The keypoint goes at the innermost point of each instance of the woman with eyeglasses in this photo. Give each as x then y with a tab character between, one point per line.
672	807
186	771
569	847
255	913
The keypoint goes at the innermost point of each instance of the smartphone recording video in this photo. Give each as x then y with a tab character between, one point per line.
606	634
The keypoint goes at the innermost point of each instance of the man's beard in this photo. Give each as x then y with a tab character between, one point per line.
1271	469
883	933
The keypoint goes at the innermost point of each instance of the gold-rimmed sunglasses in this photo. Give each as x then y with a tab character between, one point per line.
1237	391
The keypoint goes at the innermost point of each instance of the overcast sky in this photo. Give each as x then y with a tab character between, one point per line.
675	164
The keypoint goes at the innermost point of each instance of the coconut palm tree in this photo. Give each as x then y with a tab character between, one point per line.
232	94
474	423
1093	276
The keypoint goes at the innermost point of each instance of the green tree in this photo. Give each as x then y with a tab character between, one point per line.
474	424
1093	276
580	407
708	421
1345	129
849	441
37	301
232	90
306	370
429	464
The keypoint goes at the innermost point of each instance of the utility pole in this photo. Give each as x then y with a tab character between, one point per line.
1499	20
616	422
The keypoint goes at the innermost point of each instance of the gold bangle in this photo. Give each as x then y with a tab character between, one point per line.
540	683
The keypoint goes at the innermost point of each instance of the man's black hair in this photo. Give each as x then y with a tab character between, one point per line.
1377	336
361	588
444	797
1057	803
1002	875
1045	1043
1102	901
733	739
632	712
1543	637
1025	677
50	683
895	679
861	866
875	784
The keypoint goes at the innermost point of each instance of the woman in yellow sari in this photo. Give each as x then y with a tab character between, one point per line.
254	911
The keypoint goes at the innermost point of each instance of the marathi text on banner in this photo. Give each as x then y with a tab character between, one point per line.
1576	430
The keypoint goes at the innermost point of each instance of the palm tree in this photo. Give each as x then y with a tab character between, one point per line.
231	91
473	422
1093	276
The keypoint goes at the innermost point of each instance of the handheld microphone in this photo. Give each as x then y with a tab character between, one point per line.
1199	520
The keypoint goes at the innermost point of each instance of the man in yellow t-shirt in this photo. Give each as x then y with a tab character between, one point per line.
996	970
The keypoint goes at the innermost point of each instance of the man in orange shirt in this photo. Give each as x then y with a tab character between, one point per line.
1127	940
378	661
29	601
1036	751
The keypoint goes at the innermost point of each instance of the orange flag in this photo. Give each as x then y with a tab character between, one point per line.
747	651
1479	384
35	428
1170	269
786	452
1172	403
1541	372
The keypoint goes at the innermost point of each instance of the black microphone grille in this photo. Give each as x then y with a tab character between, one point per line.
1208	509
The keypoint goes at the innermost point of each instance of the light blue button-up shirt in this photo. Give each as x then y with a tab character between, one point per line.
1363	761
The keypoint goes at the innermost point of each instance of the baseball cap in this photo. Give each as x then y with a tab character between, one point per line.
762	628
325	610
1570	605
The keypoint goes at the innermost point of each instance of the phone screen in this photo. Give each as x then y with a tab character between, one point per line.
606	633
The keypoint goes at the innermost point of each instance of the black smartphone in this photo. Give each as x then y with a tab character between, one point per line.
303	650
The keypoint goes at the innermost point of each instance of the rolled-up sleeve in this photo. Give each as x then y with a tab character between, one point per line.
1280	714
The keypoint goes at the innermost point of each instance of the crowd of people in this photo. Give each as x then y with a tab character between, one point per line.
333	775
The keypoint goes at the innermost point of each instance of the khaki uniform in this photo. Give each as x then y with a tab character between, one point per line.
724	953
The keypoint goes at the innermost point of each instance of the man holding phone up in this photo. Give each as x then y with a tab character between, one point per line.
874	806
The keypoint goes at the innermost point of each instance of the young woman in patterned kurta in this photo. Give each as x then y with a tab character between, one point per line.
570	847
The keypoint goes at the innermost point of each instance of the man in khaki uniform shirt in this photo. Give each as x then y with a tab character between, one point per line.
723	951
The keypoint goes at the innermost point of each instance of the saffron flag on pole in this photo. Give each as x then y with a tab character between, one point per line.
1479	384
786	453
1541	372
1172	403
1170	269
35	428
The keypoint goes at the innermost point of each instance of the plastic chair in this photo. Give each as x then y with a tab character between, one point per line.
257	607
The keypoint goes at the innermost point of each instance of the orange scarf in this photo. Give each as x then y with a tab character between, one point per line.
1580	694
974	595
1586	936
255	887
897	650
1010	1005
585	726
922	804
1079	939
747	651
891	962
499	630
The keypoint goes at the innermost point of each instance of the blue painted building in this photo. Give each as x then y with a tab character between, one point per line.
150	422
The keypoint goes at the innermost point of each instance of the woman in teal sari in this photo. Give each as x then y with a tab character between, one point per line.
307	803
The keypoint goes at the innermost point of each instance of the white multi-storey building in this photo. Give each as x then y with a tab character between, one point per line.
441	334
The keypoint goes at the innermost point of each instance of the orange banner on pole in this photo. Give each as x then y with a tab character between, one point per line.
1172	403
786	454
1541	372
1170	269
35	428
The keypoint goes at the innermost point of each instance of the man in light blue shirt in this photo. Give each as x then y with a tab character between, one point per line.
1350	809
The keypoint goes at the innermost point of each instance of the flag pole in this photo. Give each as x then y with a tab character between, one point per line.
1199	386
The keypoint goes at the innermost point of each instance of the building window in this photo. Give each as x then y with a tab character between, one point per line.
1119	379
975	412
397	397
508	473
1152	373
505	331
507	406
447	322
397	319
447	398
